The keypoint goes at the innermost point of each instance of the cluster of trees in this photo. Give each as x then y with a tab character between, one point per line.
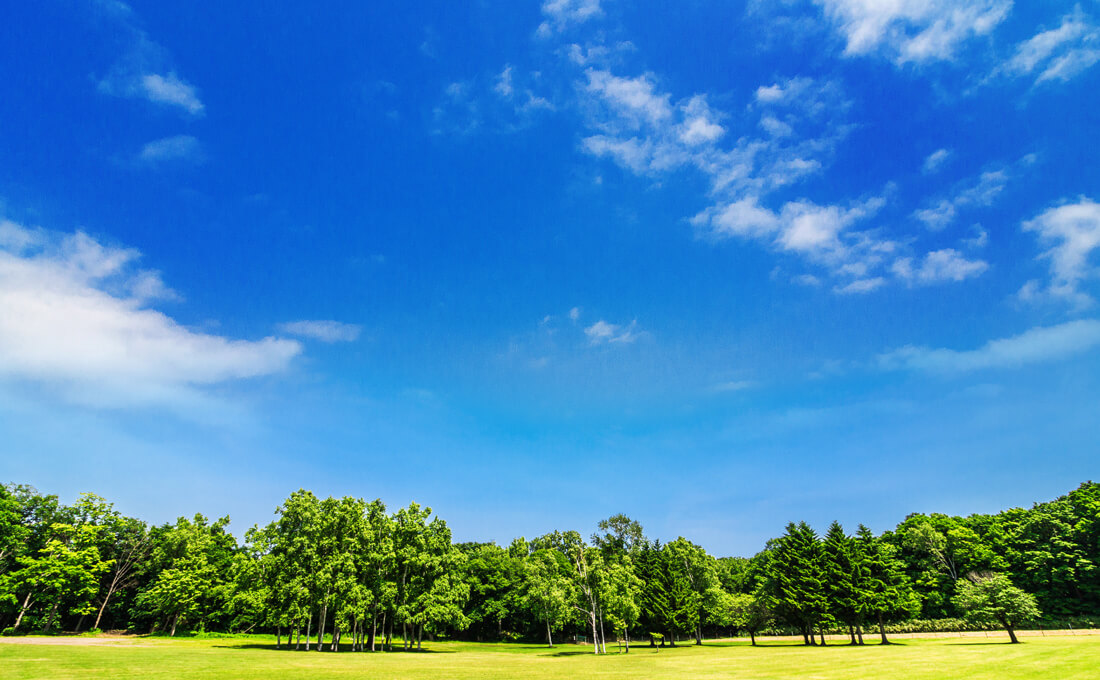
346	571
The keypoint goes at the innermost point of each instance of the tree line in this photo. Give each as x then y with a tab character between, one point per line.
347	573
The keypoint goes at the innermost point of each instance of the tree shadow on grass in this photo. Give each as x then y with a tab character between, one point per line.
271	647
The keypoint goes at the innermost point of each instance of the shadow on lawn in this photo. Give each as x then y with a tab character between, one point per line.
343	650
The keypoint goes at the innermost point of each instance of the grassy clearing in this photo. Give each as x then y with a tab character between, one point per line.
255	657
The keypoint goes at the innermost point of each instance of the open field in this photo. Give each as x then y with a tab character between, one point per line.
1057	657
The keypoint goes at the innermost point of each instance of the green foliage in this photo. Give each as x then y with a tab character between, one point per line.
358	572
991	597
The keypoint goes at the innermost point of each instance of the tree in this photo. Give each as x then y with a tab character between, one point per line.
695	582
991	597
194	561
654	599
844	572
548	589
794	584
884	591
743	611
64	573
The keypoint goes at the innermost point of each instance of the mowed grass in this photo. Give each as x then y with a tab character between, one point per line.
973	658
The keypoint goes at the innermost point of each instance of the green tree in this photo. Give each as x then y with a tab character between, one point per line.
884	590
64	574
991	597
548	589
795	586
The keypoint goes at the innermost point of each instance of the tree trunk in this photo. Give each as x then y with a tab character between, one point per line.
321	627
859	632
603	635
22	611
175	620
821	632
626	634
309	627
882	630
50	618
851	634
549	637
1011	632
298	632
110	591
373	626
387	619
752	637
335	646
278	636
419	636
595	635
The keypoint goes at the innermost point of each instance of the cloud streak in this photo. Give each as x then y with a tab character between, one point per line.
1034	346
74	315
912	31
325	331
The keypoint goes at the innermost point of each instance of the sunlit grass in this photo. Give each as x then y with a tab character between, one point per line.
255	657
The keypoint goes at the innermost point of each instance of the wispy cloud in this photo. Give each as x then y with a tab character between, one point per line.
144	71
1072	233
603	332
1037	345
325	331
1057	54
977	192
563	14
75	315
506	102
734	386
935	161
179	147
938	266
912	31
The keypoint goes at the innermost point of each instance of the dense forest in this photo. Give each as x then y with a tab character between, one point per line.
348	572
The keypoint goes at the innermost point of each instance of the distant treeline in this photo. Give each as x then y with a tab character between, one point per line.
349	572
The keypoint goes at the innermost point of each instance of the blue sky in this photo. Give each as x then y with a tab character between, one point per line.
718	266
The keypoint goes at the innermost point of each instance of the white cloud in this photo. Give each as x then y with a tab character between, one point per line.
1072	232
74	316
939	266
179	147
699	126
635	99
504	82
861	286
561	14
784	92
603	332
325	331
975	193
734	386
1037	345
574	313
169	89
913	30
935	161
1057	54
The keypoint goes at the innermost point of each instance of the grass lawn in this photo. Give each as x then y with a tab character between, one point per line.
1058	658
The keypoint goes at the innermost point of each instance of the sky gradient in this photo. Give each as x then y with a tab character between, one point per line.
718	266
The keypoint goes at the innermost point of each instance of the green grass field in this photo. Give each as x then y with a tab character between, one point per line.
1058	658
